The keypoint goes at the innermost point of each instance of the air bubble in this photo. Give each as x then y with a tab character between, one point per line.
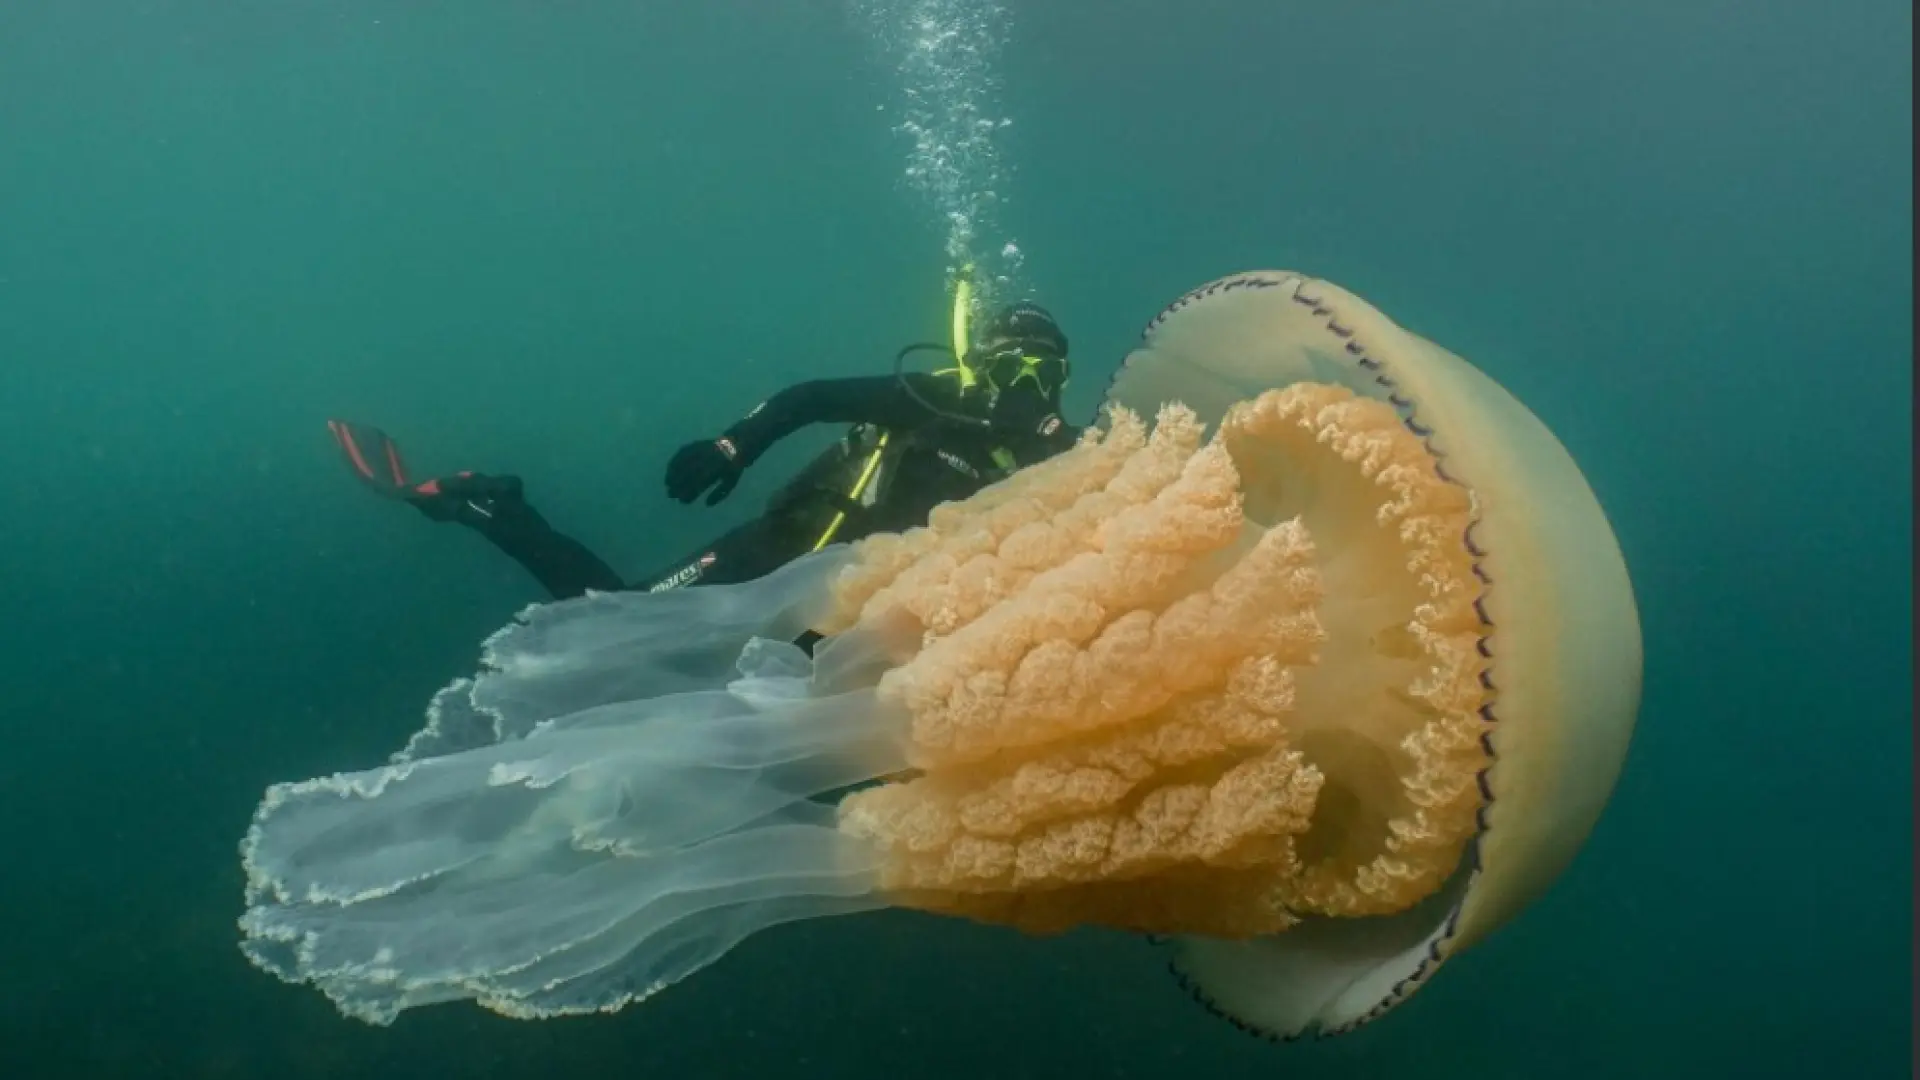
944	53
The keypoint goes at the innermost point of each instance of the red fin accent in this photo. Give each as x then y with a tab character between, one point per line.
352	449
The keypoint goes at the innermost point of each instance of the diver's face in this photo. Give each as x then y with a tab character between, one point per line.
1020	367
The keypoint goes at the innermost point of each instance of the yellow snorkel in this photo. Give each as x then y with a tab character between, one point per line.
962	315
959	348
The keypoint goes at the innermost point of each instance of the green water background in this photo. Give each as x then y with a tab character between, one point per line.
559	240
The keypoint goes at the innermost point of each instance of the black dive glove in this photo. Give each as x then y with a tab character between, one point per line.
707	463
469	498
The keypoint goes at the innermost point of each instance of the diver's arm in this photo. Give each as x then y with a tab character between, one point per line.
879	400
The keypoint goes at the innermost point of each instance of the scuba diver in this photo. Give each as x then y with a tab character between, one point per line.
916	439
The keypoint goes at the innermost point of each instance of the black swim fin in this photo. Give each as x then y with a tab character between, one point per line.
373	457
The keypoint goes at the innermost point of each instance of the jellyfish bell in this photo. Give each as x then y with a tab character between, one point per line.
1559	629
1287	662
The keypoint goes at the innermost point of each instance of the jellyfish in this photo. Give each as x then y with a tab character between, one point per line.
1316	661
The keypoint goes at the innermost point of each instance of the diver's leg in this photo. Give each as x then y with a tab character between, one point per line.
493	506
752	550
496	509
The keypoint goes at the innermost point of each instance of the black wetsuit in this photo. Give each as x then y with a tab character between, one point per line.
927	459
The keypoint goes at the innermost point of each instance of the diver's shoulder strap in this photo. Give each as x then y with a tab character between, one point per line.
876	449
